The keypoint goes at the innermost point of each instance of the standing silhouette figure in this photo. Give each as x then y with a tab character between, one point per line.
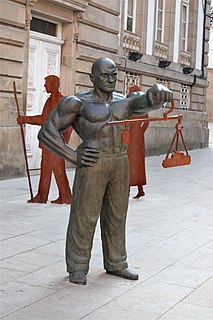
50	163
136	151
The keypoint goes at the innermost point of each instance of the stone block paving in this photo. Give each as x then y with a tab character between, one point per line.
169	243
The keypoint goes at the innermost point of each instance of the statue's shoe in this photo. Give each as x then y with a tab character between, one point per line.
78	277
125	273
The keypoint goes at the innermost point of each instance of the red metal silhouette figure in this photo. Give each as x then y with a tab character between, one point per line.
50	163
136	152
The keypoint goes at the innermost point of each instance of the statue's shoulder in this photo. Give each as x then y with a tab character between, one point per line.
69	104
118	96
84	95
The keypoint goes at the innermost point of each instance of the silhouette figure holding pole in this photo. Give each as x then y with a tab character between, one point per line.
50	163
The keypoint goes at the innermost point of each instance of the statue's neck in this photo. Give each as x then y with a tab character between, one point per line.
102	95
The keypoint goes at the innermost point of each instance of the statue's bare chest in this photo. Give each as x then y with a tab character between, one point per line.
96	111
101	111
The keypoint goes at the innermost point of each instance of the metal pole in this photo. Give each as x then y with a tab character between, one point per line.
23	141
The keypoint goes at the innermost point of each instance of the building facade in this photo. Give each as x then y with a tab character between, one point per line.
64	37
209	97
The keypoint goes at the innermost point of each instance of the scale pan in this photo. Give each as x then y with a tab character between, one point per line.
177	159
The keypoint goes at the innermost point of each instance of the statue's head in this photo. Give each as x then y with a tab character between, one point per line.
104	74
52	83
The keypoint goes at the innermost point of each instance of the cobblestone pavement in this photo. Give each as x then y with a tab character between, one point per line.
169	243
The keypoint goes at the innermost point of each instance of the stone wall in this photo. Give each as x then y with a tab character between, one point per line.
98	31
12	61
209	97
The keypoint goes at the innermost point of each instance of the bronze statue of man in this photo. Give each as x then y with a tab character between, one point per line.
101	184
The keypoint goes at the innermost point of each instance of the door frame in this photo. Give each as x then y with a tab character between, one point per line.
33	151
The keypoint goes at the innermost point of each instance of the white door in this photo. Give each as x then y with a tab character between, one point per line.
44	59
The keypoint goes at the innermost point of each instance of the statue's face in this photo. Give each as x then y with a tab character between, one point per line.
104	76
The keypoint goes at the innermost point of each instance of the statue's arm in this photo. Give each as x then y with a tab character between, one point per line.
63	116
153	99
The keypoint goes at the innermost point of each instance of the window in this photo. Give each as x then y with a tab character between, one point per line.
184	97
166	84
131	79
43	26
160	13
162	81
184	25
130	6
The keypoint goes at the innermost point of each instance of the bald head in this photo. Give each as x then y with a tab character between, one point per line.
104	75
101	64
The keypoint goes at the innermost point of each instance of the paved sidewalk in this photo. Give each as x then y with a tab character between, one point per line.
169	243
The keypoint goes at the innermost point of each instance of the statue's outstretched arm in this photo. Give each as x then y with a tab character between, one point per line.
154	98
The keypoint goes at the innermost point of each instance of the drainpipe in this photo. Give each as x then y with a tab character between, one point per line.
204	3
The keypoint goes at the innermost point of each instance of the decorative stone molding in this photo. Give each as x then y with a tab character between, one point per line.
31	71
51	62
28	140
77	15
131	42
29	5
76	5
185	59
30	101
160	50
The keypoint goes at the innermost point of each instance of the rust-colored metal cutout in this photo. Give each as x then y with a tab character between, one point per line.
125	134
177	158
136	151
50	163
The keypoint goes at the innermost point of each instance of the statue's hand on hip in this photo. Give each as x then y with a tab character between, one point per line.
87	157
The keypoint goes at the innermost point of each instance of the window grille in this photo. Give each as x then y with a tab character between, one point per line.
131	79
185	97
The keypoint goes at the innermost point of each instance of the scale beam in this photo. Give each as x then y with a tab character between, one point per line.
177	158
